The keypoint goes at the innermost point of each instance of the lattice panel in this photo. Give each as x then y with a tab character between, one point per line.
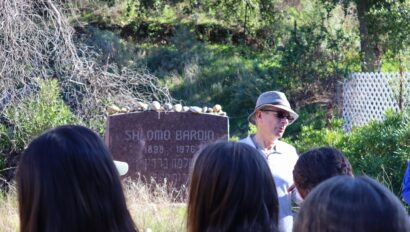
366	96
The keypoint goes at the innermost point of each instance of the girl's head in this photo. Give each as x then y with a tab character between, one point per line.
231	189
67	181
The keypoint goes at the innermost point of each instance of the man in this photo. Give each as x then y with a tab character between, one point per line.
405	193
271	116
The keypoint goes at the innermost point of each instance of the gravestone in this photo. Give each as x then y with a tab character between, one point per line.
161	145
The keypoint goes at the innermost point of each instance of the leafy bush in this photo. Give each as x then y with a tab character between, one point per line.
378	149
382	149
27	119
36	113
314	115
310	137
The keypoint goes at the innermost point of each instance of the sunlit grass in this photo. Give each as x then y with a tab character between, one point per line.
153	206
9	219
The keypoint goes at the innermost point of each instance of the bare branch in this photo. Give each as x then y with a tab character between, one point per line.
36	40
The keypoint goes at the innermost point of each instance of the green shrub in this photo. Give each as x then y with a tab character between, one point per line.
5	142
34	114
25	120
379	149
311	137
382	149
312	115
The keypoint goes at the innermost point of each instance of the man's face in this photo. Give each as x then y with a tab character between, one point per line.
272	121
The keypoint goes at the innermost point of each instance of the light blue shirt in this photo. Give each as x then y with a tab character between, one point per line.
281	162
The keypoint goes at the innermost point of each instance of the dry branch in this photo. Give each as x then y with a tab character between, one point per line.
36	40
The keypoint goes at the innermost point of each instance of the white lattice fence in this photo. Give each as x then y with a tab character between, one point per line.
366	96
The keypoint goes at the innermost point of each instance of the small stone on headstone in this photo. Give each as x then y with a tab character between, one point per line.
113	109
185	108
168	106
177	107
155	106
142	106
133	108
124	110
195	109
217	108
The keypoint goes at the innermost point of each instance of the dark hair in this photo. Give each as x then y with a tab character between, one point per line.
317	165
231	189
355	204
67	181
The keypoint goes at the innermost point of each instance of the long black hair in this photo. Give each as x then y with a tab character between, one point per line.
231	189
67	181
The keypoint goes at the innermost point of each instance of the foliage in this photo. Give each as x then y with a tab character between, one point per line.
206	74
315	116
27	119
391	25
34	114
379	149
228	52
311	137
310	56
383	27
320	51
247	13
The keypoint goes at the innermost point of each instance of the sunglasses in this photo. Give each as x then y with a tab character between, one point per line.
281	114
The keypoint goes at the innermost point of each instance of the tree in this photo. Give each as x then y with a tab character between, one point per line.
380	23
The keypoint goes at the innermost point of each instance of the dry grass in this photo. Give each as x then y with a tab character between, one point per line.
152	207
155	208
9	218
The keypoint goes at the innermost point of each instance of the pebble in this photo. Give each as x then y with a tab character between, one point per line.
142	106
113	109
217	108
177	107
125	109
168	107
155	106
195	109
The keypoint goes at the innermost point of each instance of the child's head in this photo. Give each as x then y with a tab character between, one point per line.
317	165
231	189
67	181
355	204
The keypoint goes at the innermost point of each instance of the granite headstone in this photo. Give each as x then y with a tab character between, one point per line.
161	145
